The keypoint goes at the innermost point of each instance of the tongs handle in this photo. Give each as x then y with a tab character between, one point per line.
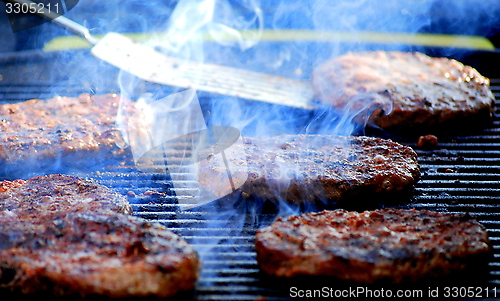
58	19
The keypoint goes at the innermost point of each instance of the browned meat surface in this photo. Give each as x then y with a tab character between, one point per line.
70	132
405	90
58	193
82	254
65	235
311	168
392	245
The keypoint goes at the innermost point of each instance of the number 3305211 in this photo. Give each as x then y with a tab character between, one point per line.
16	8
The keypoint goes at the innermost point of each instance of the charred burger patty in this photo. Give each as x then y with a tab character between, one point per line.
59	193
71	132
112	254
65	235
309	168
398	90
392	245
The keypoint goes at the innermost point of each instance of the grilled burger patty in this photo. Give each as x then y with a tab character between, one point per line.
392	245
311	168
70	132
67	235
111	254
58	193
404	90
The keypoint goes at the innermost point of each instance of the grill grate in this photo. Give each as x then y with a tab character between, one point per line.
463	175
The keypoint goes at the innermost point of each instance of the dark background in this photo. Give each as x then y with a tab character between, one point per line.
445	16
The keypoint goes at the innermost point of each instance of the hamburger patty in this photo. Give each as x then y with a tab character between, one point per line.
70	132
111	254
66	235
311	168
58	193
404	90
392	245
